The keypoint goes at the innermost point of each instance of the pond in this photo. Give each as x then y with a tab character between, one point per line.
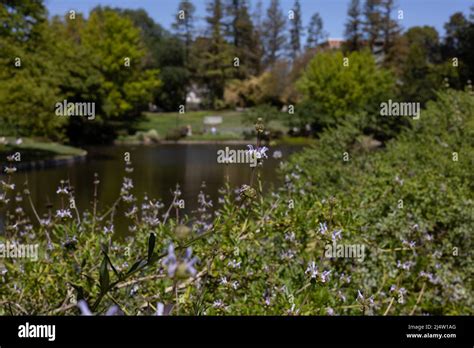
157	170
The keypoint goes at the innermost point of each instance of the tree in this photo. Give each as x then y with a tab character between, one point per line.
420	73
20	18
167	53
243	37
392	46
28	93
213	55
353	29
459	43
373	22
342	94
126	88
296	30
184	24
274	37
316	34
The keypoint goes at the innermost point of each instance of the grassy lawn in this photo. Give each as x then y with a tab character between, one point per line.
231	128
32	150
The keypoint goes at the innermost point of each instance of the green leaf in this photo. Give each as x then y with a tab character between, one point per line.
119	275
139	264
104	276
151	245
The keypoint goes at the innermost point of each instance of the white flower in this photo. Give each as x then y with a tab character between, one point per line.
323	228
312	270
63	213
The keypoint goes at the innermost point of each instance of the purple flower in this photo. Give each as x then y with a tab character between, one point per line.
170	261
312	270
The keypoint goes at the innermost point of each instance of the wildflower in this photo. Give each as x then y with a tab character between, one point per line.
63	213
202	200
258	152
170	261
84	308
62	190
330	311
10	170
398	180
127	184
177	192
410	244
323	228
45	222
128	198
406	265
290	236
7	186
218	304
19	141
288	254
312	270
292	310
187	266
341	296
345	278
360	297
131	212
134	289
325	276
234	263
109	230
337	234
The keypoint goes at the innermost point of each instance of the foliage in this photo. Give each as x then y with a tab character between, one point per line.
341	93
265	255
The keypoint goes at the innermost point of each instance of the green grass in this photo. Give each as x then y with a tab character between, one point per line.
33	150
231	128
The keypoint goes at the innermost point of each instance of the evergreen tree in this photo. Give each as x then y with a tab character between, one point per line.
390	30
316	33
296	30
274	32
184	24
241	32
213	55
372	22
353	31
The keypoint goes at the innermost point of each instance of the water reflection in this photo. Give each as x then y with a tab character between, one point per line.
156	172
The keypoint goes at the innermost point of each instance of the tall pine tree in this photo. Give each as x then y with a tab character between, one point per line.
241	33
296	30
353	31
373	22
184	25
316	33
213	55
274	37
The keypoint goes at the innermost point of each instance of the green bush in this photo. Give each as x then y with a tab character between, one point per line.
409	204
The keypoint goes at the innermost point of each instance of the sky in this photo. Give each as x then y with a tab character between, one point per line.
333	12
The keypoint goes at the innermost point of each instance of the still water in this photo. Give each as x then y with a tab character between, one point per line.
157	170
